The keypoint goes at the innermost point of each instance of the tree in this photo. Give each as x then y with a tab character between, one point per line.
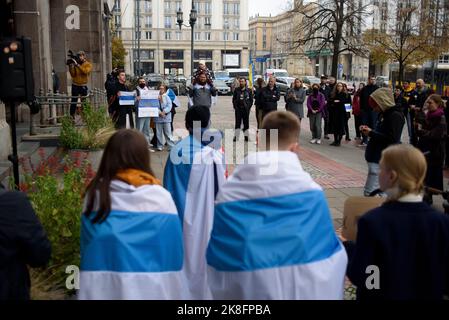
409	37
118	53
333	25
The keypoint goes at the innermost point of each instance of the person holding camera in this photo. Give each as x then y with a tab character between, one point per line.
80	70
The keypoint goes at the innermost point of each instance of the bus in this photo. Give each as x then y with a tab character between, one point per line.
233	73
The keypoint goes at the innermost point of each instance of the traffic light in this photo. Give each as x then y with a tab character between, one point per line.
16	72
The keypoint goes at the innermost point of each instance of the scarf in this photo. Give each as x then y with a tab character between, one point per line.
438	113
137	178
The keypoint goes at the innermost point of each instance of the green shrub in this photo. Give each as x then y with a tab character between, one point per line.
56	189
97	129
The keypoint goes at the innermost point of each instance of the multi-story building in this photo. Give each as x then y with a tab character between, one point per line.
220	35
273	44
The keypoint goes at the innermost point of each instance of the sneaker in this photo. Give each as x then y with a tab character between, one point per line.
312	141
318	141
160	149
362	145
151	150
348	139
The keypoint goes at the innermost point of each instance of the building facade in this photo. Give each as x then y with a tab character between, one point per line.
272	44
220	35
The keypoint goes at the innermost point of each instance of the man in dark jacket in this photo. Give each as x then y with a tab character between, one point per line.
117	111
269	97
242	100
368	115
416	102
387	131
22	242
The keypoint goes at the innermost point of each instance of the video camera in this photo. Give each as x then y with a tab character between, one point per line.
72	58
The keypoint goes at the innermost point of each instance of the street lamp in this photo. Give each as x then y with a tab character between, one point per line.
225	35
192	21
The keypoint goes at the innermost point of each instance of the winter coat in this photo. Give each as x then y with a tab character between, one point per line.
294	101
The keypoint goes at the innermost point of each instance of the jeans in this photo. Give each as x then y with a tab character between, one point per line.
372	180
409	125
164	130
315	125
143	125
77	91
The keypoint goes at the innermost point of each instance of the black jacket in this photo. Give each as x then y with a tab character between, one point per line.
257	101
247	100
418	98
269	98
364	95
22	242
388	131
409	243
431	140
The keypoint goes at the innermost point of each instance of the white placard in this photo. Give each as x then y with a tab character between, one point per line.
149	104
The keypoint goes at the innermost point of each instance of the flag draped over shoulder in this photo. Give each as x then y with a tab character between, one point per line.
273	236
193	174
126	256
173	97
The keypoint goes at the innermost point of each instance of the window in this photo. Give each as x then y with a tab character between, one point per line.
207	36
236	36
237	24
178	35
226	8
207	8
444	58
167	35
118	21
173	54
197	35
225	36
138	35
197	6
147	6
145	54
226	25
178	6
117	6
148	35
207	23
167	6
167	23
237	8
202	55
148	22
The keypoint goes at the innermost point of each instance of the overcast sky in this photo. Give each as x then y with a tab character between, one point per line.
265	7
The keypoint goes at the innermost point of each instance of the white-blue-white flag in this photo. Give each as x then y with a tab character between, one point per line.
193	175
136	253
173	97
127	98
273	237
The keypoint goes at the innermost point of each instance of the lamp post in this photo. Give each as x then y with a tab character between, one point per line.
225	35
192	21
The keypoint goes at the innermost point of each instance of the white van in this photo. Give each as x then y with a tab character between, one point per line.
278	73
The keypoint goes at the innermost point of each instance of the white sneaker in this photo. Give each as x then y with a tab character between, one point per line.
312	141
318	141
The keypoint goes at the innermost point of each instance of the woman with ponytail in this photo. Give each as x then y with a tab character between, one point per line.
402	248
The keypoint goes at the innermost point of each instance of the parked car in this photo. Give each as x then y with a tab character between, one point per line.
222	87
309	80
179	88
154	80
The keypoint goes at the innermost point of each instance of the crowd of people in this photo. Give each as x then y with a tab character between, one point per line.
257	234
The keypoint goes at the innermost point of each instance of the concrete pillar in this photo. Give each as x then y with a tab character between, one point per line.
5	133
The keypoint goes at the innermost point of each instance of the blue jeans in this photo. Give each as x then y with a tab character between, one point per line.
163	130
143	125
372	180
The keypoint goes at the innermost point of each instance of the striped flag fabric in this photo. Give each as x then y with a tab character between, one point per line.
125	257
273	237
173	97
193	174
126	98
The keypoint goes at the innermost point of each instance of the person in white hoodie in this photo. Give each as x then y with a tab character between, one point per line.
272	236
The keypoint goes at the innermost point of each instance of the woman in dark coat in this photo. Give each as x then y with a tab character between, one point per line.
260	84
337	112
431	133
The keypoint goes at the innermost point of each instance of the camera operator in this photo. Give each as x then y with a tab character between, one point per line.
110	85
80	70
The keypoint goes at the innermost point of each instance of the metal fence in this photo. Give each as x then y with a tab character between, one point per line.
55	106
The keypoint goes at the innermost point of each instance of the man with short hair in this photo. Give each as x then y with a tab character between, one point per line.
80	71
269	97
369	117
202	94
416	102
194	173
143	123
119	112
273	236
242	100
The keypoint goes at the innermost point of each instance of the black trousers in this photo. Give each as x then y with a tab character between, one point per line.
77	91
241	115
120	117
357	124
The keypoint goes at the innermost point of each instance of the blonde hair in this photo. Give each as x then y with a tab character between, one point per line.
410	167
